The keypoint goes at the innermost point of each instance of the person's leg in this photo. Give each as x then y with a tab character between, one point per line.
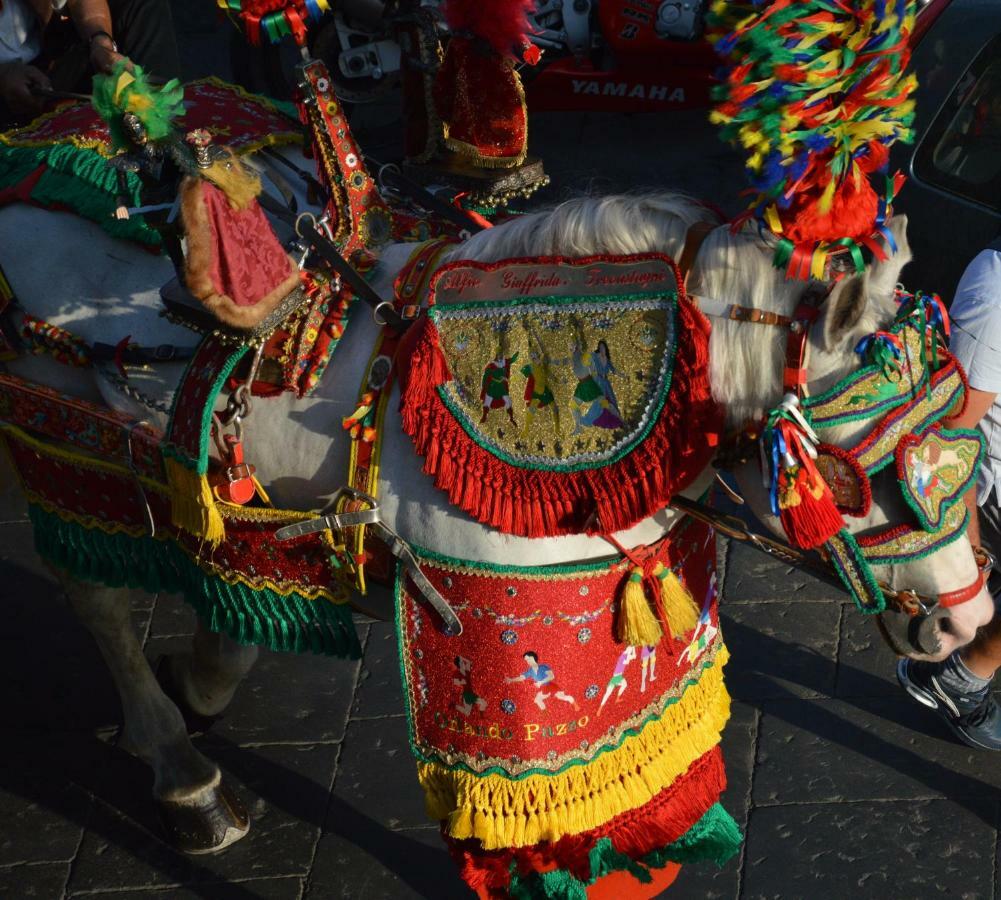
959	687
982	658
144	32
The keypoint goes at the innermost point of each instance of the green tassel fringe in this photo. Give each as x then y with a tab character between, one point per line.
80	180
293	623
716	836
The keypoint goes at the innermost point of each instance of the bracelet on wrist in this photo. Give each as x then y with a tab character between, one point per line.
111	40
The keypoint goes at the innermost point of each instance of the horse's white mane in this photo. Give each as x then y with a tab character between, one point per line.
615	224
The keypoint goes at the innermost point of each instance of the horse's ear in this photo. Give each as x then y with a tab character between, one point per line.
884	276
845	308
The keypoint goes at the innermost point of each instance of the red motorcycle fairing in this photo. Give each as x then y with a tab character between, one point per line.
650	72
570	85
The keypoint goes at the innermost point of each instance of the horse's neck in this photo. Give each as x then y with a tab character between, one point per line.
410	503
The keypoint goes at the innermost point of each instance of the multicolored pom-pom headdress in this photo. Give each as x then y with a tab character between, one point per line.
815	91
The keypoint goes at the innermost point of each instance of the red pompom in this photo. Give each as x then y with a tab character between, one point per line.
501	23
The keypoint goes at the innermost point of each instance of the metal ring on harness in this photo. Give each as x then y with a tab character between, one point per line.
375	313
304	216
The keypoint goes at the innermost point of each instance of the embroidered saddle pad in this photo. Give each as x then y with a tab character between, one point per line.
552	396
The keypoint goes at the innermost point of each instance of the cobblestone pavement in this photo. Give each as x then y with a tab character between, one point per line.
845	789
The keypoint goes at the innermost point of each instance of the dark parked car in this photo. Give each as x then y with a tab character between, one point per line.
953	198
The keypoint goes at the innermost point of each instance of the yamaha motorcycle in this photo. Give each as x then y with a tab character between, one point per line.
599	55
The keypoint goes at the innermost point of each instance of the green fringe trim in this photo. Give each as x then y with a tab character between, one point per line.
80	180
292	623
715	837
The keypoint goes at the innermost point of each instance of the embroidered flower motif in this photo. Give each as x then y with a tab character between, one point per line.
584	745
512	591
477	613
508	706
584	635
592	691
447	581
547	620
584	590
551	756
509	637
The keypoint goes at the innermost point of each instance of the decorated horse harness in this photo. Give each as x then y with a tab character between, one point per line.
908	383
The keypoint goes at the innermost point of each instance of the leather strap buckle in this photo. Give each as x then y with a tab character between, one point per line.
366	513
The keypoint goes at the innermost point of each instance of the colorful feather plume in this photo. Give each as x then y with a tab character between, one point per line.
816	92
503	24
127	90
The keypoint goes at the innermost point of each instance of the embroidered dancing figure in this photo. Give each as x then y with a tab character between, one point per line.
538	393
495	388
468	698
542	676
594	399
648	664
618	679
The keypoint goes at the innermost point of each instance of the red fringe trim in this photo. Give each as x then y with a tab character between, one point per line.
544	504
636	833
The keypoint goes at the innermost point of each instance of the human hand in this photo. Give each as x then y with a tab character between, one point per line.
20	85
103	52
121	212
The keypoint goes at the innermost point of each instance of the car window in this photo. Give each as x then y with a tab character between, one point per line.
961	152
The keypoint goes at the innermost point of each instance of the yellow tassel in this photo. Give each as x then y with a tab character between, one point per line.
503	812
637	623
192	506
679	606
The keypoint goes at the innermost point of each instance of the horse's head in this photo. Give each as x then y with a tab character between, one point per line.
747	363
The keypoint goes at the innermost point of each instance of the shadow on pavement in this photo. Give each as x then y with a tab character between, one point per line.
771	657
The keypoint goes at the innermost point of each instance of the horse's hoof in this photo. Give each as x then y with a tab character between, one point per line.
195	722
207	822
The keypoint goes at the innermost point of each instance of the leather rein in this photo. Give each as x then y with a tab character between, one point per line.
794	378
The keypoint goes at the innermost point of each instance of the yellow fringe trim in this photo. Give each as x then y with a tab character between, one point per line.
501	812
192	506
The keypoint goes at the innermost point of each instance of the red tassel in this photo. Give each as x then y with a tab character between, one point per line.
809	514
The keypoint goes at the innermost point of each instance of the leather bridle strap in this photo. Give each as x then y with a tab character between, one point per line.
720	309
954	598
694	238
735	528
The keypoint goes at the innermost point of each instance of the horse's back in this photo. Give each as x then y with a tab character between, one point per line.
69	272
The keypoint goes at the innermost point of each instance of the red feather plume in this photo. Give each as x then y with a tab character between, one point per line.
503	24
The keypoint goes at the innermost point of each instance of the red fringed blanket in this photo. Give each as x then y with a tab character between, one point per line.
553	396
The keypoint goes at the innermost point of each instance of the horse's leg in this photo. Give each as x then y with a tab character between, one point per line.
198	814
206	678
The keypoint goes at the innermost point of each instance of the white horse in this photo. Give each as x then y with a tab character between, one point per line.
103	290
